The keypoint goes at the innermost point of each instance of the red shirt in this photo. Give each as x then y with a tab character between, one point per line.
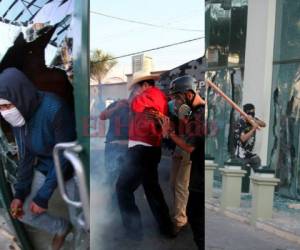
142	128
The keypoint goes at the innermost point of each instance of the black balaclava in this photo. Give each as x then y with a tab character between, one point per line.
248	109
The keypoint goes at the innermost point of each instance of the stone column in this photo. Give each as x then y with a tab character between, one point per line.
259	66
210	166
262	196
231	186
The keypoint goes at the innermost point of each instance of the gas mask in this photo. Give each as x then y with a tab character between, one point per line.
13	117
184	112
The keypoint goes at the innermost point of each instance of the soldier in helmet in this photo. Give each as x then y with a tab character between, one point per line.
184	90
180	167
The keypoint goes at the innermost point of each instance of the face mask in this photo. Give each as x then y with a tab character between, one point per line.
171	105
178	101
251	114
13	117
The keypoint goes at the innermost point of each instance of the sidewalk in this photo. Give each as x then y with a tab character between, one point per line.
285	222
7	238
224	233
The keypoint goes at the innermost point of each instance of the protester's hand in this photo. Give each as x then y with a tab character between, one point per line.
16	209
254	125
165	126
36	209
152	114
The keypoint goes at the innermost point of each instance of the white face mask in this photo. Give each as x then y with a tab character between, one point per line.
13	117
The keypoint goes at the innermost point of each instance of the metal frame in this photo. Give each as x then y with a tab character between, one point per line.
81	78
81	93
71	151
83	190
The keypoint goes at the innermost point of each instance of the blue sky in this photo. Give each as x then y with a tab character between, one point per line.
119	38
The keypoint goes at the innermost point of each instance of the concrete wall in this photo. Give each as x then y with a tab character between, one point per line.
114	91
258	65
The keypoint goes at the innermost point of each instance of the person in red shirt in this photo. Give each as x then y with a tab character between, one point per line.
143	157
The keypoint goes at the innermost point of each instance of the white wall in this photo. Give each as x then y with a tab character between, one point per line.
258	65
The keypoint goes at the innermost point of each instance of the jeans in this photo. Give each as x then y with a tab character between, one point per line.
114	158
46	221
141	168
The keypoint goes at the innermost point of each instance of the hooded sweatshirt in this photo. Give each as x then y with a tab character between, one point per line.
48	121
141	128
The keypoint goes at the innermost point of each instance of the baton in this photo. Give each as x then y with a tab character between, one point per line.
231	103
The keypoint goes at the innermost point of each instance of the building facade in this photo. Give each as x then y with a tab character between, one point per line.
225	29
253	54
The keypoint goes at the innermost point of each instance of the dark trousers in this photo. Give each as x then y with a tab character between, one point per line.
196	201
253	161
141	168
195	213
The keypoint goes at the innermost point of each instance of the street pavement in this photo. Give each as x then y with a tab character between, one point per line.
223	233
106	226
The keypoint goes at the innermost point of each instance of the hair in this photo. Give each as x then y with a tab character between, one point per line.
132	92
151	82
248	107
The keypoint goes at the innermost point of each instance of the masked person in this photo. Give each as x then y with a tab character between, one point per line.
184	90
180	168
245	135
39	120
143	156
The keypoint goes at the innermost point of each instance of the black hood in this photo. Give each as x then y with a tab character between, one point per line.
19	90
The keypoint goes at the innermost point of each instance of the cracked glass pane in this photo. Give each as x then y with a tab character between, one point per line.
226	26
284	144
287	30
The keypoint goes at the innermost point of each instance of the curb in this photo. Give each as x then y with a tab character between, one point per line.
259	224
279	232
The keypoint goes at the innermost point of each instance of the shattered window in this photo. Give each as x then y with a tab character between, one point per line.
226	26
284	144
31	18
217	30
226	23
287	31
47	12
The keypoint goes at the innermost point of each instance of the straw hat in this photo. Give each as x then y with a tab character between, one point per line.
137	79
